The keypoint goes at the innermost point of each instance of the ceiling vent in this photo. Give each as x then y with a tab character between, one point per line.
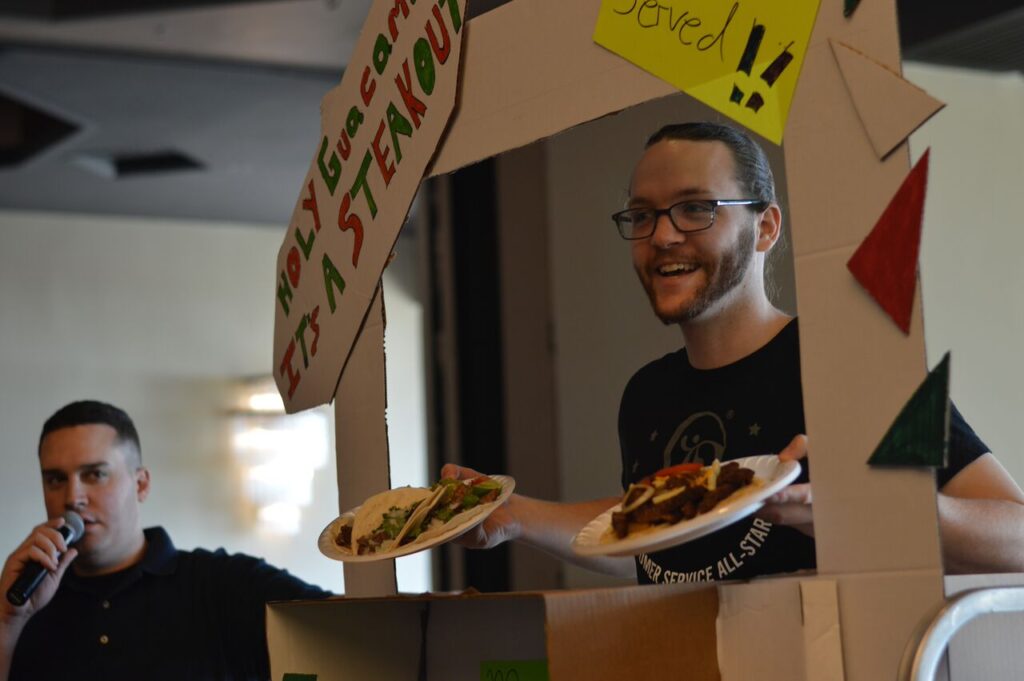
26	131
121	166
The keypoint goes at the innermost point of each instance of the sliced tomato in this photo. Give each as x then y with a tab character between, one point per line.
678	469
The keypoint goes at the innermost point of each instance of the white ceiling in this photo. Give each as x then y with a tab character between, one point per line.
237	88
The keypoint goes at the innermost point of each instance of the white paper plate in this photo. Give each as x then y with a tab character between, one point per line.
770	476
455	527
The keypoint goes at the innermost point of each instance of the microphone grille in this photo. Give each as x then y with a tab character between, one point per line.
74	521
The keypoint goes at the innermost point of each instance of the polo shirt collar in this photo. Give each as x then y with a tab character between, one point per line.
161	557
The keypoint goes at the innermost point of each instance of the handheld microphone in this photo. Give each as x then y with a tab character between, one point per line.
33	574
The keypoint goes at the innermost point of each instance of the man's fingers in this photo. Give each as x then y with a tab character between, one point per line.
54	537
450	470
796	449
787	514
495	530
474	539
44	558
790	506
794	494
65	560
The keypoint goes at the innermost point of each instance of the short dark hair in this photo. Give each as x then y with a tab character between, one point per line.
753	172
90	412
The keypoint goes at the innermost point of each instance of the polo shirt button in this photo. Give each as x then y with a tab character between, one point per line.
106	605
104	639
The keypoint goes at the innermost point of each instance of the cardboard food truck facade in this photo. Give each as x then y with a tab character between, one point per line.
823	80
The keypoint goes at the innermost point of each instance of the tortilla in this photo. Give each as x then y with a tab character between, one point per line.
371	513
416	517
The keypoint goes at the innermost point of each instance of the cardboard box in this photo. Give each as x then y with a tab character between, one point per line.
581	634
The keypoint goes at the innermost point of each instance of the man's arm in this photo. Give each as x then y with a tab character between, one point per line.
44	546
981	519
981	515
546	525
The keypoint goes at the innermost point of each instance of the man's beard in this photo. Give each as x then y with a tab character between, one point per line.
727	275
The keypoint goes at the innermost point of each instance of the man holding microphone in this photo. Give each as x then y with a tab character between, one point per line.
122	602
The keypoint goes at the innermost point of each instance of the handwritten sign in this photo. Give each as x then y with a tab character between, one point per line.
740	57
514	670
379	130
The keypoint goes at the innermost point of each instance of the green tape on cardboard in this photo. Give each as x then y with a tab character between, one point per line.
299	677
849	7
920	434
514	670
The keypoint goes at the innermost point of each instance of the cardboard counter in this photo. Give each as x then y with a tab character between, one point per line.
785	629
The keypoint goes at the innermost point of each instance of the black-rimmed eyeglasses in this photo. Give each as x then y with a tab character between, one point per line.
692	215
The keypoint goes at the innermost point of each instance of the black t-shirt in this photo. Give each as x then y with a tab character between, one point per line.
672	413
176	615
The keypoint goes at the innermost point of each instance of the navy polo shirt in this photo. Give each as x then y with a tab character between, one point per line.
175	615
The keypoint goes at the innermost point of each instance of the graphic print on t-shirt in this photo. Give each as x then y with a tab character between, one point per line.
700	438
747	408
703	437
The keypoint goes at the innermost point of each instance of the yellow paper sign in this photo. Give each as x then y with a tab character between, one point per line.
742	58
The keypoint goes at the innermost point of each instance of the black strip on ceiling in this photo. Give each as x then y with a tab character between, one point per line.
155	162
56	10
924	20
26	131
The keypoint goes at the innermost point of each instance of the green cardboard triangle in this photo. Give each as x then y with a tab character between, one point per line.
920	434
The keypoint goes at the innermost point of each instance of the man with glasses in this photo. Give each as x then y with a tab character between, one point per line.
701	219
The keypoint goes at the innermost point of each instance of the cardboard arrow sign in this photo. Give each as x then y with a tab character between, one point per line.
379	130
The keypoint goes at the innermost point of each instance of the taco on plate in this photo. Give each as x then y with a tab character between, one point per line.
452	499
399	516
378	524
677	493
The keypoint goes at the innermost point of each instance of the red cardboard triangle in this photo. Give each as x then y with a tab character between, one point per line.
886	261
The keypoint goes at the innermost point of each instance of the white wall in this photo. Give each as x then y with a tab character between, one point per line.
163	318
972	252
